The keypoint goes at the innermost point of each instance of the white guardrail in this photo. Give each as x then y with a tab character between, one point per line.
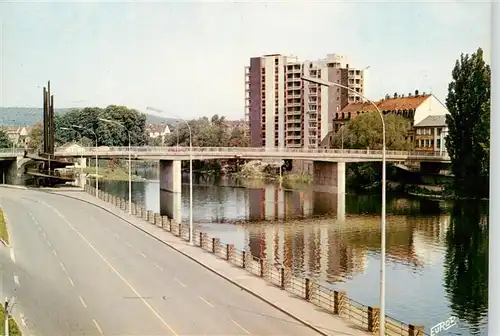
234	151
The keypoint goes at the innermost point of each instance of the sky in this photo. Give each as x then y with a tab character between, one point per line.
188	58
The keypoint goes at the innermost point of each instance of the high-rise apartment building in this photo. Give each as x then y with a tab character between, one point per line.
284	111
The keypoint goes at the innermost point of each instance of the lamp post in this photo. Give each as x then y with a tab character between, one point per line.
190	170
383	216
96	157
129	161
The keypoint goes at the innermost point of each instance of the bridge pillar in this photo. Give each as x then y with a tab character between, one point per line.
330	177
170	189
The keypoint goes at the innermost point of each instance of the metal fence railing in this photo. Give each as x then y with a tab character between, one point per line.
248	151
334	301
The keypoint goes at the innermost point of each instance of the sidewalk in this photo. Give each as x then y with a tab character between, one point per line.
305	312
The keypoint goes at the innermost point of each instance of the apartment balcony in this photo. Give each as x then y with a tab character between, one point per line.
294	137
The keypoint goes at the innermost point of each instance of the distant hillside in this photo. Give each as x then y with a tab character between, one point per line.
21	116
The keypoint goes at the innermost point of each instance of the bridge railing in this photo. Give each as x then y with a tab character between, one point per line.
13	151
333	301
241	150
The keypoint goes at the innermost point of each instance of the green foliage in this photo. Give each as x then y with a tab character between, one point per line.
468	138
466	262
365	131
207	132
36	136
108	134
4	139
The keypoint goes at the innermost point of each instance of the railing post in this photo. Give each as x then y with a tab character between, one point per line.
227	252
414	330
338	302
230	252
201	240
243	259
282	278
179	230
215	245
373	319
262	267
307	290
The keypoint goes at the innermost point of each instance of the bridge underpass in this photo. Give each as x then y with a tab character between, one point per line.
328	178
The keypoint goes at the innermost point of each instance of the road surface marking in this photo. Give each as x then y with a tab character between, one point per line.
48	243
179	282
143	255
208	303
71	282
112	268
62	266
16	280
116	235
12	255
97	326
159	267
55	253
83	302
39	228
44	235
128	244
239	326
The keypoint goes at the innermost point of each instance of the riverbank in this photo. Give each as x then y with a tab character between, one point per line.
114	174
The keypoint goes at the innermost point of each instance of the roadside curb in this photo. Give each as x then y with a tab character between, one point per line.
246	289
4	243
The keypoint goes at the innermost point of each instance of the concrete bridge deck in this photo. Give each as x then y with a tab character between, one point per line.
200	153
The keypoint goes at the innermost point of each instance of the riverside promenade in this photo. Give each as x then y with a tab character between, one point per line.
326	311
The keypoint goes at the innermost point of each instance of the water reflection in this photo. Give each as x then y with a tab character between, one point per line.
427	241
466	264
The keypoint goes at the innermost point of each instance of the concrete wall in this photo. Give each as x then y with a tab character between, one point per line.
170	189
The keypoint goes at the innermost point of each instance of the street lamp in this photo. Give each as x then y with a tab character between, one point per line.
96	157
129	161
190	171
81	145
383	216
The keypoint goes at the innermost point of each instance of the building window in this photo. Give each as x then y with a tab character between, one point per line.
438	143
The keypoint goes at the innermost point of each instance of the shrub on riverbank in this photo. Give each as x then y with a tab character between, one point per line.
115	174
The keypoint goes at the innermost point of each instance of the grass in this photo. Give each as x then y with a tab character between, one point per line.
13	328
4	234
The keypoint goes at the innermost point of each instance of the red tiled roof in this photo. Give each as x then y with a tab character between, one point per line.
390	104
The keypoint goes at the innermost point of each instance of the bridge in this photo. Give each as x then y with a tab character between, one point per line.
210	153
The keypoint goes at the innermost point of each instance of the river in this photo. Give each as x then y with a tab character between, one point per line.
437	252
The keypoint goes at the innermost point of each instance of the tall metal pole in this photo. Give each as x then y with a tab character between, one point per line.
96	168
383	215
129	176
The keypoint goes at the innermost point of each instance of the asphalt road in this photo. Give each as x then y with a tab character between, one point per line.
75	269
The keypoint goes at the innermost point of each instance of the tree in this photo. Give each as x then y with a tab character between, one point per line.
36	136
468	138
108	134
365	131
4	139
